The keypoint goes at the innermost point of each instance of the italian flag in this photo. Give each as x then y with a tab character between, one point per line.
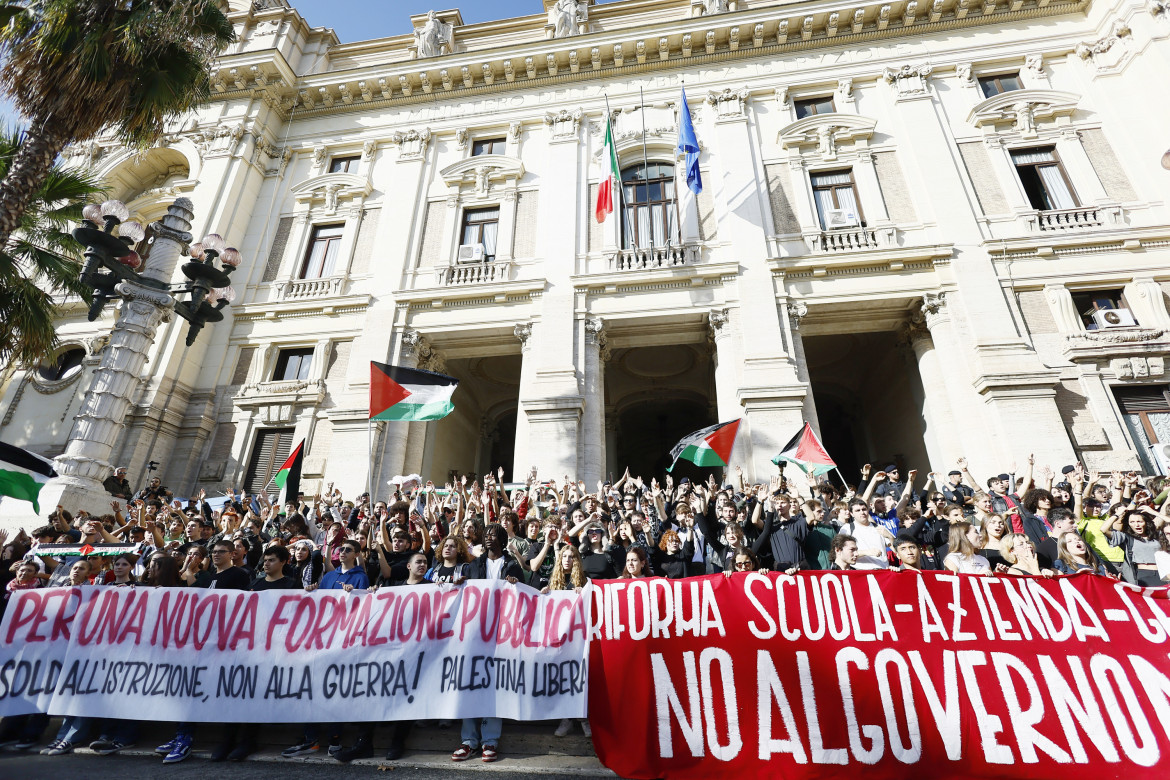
806	452
609	176
708	447
409	394
22	474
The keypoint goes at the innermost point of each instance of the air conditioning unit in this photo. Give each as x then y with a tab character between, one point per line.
1114	318
841	218
470	253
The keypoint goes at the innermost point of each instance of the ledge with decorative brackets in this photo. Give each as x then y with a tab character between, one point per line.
826	131
331	189
1023	108
484	170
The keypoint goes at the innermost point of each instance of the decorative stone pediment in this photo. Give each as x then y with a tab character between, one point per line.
825	132
1023	110
332	189
484	171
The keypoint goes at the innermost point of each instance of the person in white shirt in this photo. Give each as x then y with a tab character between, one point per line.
873	540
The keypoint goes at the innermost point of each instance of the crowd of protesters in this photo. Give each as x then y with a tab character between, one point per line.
558	534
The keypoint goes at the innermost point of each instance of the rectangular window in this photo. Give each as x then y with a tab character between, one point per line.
344	164
321	255
292	364
651	212
488	146
1044	179
269	452
998	84
1090	304
480	226
836	197
1146	412
823	105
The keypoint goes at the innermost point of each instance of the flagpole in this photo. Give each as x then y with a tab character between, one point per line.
370	459
620	187
645	168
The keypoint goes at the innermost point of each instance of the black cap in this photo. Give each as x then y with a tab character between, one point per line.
1068	469
1004	477
955	473
685	481
891	467
1063	486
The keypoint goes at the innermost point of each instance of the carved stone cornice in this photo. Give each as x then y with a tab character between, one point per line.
821	133
523	332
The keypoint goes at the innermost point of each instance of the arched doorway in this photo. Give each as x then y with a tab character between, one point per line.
647	430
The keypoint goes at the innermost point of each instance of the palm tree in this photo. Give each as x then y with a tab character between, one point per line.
41	261
76	67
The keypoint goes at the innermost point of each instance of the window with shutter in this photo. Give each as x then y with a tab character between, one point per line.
269	452
1145	411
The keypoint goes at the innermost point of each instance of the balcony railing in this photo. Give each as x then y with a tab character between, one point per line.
847	240
667	256
1071	219
303	289
473	273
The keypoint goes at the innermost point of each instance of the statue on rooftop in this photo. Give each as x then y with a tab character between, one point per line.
430	39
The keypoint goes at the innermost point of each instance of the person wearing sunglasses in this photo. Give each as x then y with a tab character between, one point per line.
349	575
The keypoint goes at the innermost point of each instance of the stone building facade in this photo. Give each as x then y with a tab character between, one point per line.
934	229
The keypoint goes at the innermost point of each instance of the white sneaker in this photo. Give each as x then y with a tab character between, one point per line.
564	728
585	727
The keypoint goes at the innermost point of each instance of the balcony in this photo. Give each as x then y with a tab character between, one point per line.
1076	219
639	258
849	240
459	274
306	289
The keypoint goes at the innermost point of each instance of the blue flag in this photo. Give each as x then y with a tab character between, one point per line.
688	144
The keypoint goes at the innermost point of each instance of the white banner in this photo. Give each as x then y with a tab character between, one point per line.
481	649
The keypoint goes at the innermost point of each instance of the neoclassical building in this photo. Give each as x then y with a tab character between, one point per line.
934	229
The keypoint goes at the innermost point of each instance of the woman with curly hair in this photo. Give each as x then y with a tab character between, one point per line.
569	574
453	558
673	554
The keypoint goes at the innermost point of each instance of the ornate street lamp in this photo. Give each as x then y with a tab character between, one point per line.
110	259
115	269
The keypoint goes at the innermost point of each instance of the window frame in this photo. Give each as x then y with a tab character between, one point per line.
494	141
279	447
314	238
833	188
60	372
304	358
629	227
811	103
351	162
1056	162
993	79
1081	298
465	223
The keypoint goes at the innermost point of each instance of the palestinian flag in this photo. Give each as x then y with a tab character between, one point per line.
708	447
806	453
288	477
22	474
409	394
609	176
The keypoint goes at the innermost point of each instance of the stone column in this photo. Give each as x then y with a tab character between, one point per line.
796	312
593	414
941	430
611	439
397	434
86	460
521	462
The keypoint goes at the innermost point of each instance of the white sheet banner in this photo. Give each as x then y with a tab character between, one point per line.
481	649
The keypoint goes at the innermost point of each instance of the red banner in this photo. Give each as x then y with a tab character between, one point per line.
903	674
